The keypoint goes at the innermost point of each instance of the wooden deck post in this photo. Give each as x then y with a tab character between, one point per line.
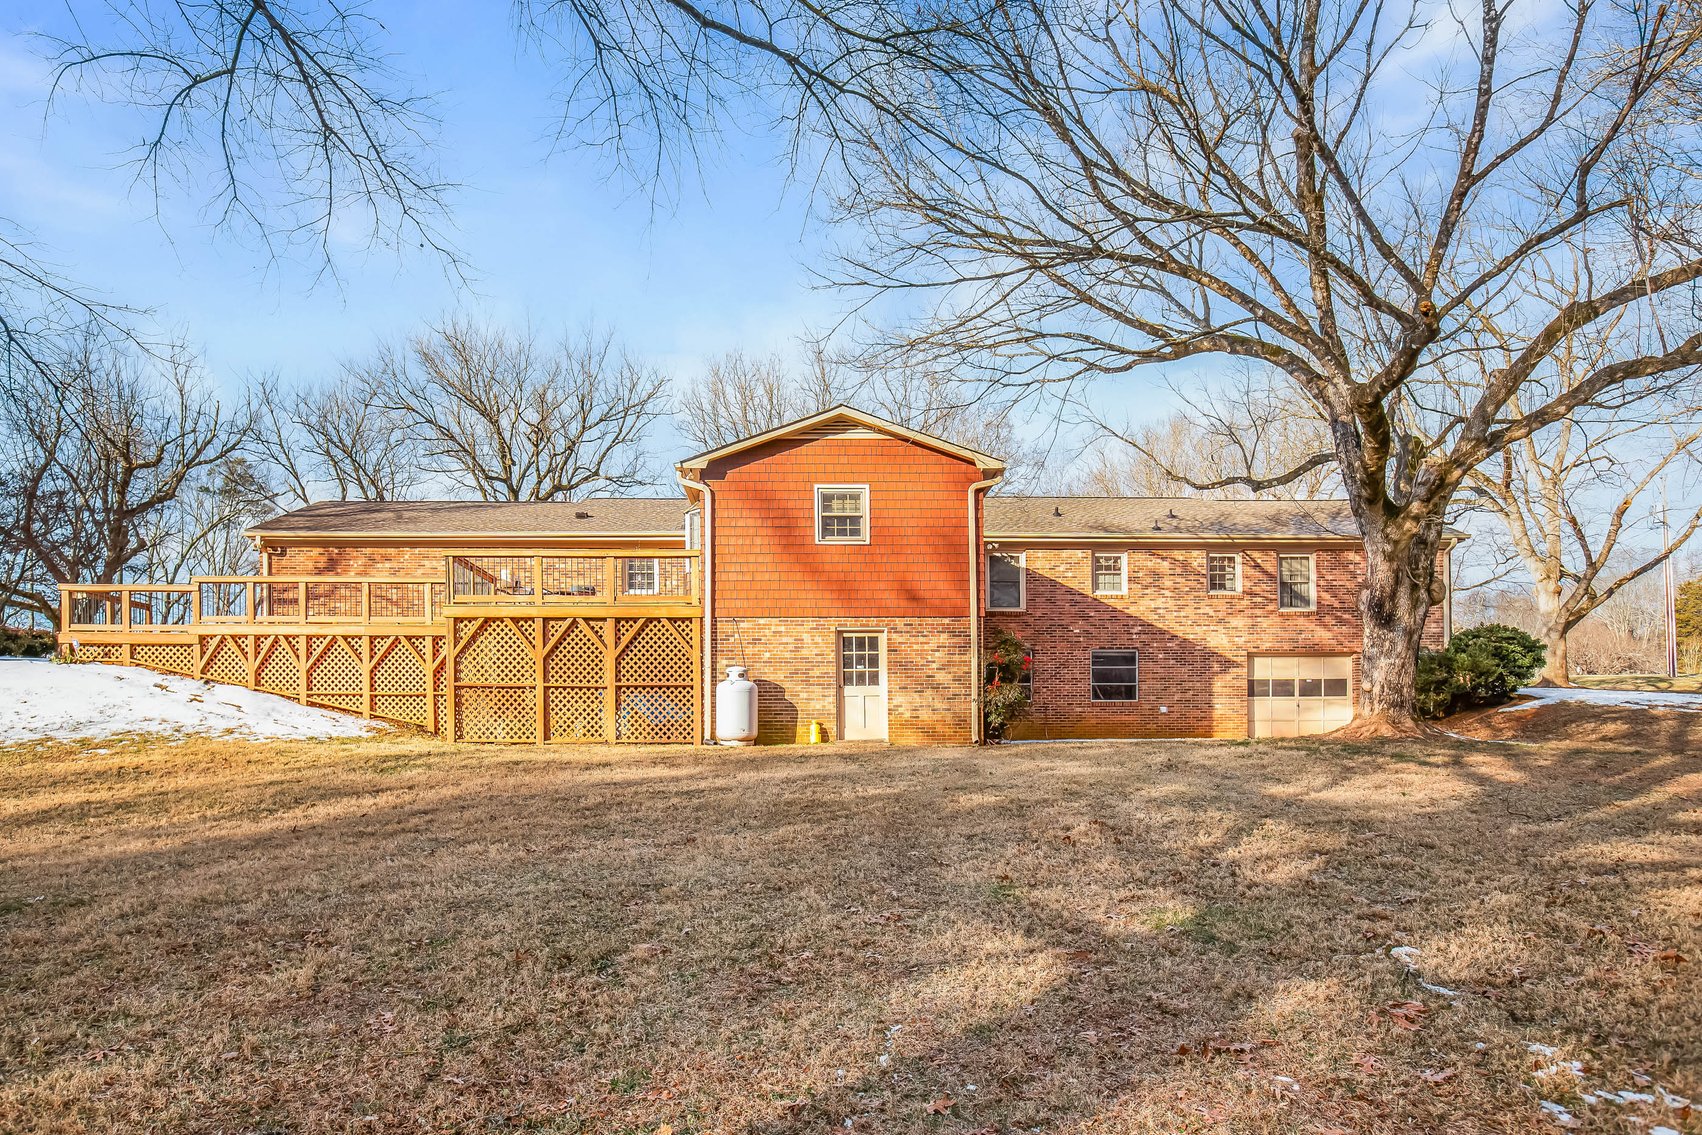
611	647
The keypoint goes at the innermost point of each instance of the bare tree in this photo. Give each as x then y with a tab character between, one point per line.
1338	191
741	395
1571	496
337	441
1223	442
96	447
511	418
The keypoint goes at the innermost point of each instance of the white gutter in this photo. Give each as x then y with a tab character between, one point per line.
708	543
975	551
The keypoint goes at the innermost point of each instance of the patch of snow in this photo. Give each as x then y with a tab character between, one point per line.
1633	699
1662	1131
41	700
1571	1067
1408	956
1558	1113
1540	1049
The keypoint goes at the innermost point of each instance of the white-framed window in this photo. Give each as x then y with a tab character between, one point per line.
1223	573
842	514
1110	573
641	577
1116	675
694	529
1296	588
1007	581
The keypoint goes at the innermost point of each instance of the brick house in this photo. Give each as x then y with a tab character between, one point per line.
854	565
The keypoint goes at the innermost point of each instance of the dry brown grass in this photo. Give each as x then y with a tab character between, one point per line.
401	935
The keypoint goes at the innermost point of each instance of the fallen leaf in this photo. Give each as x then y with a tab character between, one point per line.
1671	957
1437	1076
941	1106
1407	1015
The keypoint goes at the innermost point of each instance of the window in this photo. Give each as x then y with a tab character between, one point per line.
842	514
1006	586
1110	573
860	660
1116	675
1294	583
694	529
641	577
1223	573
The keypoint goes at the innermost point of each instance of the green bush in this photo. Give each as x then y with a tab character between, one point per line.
1481	666
1004	699
20	642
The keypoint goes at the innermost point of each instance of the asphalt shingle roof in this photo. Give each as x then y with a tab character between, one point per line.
1168	517
629	516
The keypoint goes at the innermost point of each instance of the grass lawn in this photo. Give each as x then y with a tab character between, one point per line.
1684	683
402	935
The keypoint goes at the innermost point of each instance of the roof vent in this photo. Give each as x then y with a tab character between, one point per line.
1172	514
1155	527
1056	511
582	515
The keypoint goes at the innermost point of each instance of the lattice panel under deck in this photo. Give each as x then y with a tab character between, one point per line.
338	671
279	673
655	654
654	715
495	654
577	659
575	715
409	708
100	652
173	657
496	714
400	671
222	661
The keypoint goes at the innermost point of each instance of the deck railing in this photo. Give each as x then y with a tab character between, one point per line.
575	579
223	600
660	581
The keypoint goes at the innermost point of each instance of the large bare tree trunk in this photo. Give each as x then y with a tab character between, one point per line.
1556	621
1393	604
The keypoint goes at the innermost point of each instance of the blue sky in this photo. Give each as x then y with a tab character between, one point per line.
551	235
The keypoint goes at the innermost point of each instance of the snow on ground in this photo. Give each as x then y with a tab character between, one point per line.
39	699
1634	699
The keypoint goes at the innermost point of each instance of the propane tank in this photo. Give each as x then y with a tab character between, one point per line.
735	708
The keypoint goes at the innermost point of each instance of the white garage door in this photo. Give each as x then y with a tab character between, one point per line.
1291	695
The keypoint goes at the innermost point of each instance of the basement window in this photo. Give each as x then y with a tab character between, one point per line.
1116	675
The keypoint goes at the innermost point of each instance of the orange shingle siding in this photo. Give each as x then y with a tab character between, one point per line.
766	558
1193	645
795	665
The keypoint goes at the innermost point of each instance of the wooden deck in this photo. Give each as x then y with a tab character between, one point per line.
504	647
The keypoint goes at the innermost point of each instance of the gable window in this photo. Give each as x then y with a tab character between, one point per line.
1006	582
1116	675
641	577
1294	584
1110	573
842	514
1223	573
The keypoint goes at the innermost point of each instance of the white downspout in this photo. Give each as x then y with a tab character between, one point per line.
708	604
975	550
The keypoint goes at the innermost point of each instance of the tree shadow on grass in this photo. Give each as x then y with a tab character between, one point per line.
1086	934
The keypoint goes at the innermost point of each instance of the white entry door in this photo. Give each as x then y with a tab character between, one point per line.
862	686
1292	695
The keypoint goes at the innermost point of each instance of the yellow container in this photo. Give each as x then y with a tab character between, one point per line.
816	731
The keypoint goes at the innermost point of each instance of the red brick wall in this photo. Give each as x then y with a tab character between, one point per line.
1193	645
411	563
767	561
795	665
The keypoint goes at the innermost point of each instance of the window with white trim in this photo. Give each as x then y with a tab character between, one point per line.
1007	585
842	514
1295	591
641	576
1116	675
1110	573
1223	573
